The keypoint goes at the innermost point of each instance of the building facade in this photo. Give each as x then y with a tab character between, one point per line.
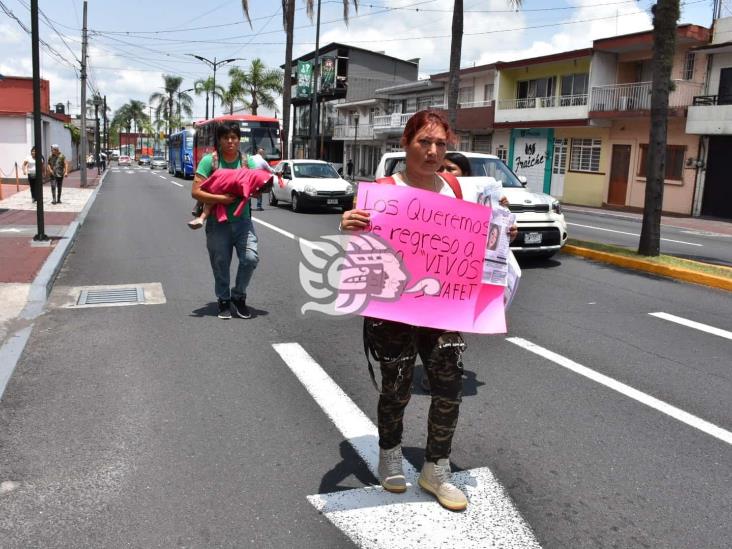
710	118
16	125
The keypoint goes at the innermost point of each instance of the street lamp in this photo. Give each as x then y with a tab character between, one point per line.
179	94
215	64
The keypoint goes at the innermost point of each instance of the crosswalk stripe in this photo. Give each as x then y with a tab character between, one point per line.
628	391
376	519
692	324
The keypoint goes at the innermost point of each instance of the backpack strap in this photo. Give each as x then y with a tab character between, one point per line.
450	179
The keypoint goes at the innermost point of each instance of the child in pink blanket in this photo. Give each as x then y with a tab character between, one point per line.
240	182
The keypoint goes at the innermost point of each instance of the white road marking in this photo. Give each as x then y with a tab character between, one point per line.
632	234
375	519
288	234
630	392
161	176
692	324
176	183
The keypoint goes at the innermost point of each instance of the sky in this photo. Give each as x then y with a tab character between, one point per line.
133	43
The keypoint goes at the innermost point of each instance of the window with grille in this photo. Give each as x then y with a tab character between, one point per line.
689	60
488	92
482	144
424	102
674	162
464	143
466	95
585	155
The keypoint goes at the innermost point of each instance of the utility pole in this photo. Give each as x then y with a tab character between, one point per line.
314	118
37	182
106	134
97	157
83	102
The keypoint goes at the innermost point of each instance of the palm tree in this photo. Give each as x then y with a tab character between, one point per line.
129	114
185	105
456	46
206	86
288	22
164	101
259	83
665	16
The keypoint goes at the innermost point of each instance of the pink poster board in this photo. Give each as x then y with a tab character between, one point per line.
437	237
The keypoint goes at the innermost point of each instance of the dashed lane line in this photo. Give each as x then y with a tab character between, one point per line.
695	325
632	234
628	391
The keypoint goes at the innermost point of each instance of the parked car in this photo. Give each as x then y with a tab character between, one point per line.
144	160
541	224
158	163
124	160
306	183
114	155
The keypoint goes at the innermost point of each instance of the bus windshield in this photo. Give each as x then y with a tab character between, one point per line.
255	136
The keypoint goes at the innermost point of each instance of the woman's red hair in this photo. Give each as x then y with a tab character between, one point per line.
423	118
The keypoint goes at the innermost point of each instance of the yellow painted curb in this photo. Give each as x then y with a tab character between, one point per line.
663	270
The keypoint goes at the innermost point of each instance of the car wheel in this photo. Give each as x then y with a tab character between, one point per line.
272	200
296	203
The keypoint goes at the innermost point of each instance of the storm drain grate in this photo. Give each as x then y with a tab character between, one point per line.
107	296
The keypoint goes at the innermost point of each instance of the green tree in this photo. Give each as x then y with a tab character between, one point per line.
185	106
206	85
163	102
288	22
130	115
665	16
257	84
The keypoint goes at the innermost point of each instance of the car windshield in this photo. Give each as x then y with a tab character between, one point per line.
318	171
144	157
158	158
480	166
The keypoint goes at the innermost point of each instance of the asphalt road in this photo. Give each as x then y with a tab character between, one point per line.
163	426
624	230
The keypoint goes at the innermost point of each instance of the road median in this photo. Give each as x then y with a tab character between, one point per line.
688	273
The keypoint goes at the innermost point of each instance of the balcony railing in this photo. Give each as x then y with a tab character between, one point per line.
637	96
712	100
388	121
365	131
576	100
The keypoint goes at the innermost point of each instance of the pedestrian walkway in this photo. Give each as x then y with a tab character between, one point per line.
22	258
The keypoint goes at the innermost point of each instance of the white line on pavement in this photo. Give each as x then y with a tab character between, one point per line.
287	234
692	324
176	183
376	519
161	176
622	388
631	234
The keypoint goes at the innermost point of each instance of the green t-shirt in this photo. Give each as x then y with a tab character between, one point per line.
205	169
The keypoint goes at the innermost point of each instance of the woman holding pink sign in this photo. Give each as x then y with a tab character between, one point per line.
396	345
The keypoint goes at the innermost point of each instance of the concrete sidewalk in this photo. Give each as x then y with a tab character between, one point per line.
28	268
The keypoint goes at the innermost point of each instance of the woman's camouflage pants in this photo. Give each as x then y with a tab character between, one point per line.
396	347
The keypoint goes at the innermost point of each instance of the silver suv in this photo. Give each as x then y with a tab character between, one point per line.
541	224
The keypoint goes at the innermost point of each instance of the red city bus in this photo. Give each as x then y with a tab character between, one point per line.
256	132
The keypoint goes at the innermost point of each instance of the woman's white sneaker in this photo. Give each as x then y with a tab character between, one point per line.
435	479
391	473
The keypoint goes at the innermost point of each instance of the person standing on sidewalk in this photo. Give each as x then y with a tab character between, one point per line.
236	233
57	169
29	169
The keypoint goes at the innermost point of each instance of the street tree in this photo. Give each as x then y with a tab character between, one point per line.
665	16
206	86
258	84
456	46
163	102
288	22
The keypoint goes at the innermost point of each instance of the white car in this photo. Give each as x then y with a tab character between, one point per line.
541	224
306	183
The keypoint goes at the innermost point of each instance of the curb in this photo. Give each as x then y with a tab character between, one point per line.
676	273
40	288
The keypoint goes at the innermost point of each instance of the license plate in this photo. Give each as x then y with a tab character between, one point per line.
332	201
532	238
